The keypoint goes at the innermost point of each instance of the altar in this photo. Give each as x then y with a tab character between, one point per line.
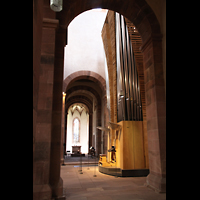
76	149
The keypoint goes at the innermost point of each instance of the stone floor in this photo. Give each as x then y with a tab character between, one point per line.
76	160
86	186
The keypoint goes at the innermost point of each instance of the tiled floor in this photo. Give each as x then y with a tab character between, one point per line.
104	187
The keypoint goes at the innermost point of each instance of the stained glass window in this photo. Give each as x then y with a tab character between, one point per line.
76	130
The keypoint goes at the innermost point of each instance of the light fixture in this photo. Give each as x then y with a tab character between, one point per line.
56	5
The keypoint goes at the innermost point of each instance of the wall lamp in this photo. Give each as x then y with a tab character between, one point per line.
56	5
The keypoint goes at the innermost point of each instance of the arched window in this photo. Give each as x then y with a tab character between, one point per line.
76	130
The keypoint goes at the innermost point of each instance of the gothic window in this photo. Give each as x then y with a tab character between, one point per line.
76	130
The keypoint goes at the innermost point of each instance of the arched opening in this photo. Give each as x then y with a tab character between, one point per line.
145	29
77	133
89	90
48	113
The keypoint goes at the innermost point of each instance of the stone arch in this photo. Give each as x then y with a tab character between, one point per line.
137	11
100	81
143	17
88	75
87	89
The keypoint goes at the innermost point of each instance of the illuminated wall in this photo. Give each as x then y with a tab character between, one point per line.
84	133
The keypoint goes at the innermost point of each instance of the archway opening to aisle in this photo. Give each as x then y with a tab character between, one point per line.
77	140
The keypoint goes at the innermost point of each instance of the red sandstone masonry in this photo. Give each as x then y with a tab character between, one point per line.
134	10
82	74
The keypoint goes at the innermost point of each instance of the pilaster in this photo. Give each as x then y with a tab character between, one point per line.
55	180
156	112
42	140
63	143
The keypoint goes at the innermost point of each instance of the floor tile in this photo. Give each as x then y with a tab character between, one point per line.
104	187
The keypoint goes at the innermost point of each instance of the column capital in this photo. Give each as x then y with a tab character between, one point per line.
50	23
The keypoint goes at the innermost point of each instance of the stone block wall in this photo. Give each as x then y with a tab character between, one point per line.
108	37
144	16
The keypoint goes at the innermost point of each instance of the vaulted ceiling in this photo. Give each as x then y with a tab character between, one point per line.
82	94
78	107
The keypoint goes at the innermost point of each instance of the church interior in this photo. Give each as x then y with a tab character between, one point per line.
99	89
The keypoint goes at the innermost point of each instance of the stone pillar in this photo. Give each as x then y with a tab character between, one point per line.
41	159
90	130
37	40
55	179
98	132
156	112
63	130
